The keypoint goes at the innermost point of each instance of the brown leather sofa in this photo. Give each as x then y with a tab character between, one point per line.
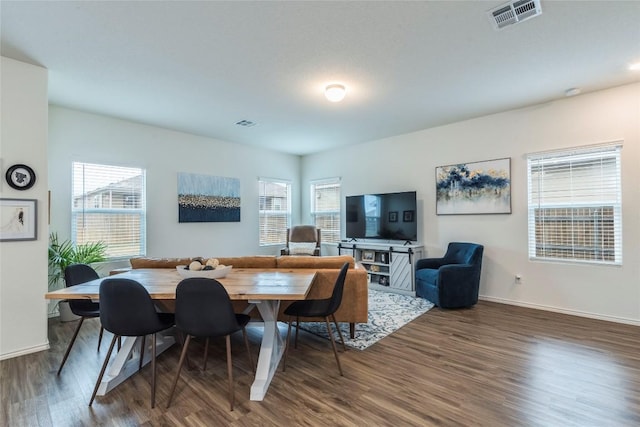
354	308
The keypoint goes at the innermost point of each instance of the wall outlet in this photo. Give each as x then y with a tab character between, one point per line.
518	279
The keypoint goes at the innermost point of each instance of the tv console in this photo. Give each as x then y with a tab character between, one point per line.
390	265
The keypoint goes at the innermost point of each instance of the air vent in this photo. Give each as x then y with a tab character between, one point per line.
245	123
514	12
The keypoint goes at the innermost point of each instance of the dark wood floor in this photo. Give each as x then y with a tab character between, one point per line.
492	365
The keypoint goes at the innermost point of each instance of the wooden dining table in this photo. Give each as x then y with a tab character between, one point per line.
263	289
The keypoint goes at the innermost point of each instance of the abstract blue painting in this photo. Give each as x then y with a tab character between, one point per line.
474	188
206	198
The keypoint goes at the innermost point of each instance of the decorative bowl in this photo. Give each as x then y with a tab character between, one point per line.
209	274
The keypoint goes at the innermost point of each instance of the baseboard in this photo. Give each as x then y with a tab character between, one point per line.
578	313
24	351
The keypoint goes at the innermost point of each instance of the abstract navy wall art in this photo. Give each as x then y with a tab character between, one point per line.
205	198
474	188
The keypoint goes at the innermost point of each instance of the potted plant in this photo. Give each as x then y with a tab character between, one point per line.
64	253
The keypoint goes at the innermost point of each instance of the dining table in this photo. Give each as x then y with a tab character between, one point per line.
263	289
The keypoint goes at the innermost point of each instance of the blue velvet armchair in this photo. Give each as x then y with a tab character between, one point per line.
451	281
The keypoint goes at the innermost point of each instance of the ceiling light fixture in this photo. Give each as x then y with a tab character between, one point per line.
335	92
572	91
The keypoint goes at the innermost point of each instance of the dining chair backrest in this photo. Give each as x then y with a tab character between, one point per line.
76	274
126	308
336	295
203	308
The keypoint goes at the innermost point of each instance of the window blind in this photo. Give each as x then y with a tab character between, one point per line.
575	204
274	214
109	205
325	208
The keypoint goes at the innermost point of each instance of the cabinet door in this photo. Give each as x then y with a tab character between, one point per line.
400	271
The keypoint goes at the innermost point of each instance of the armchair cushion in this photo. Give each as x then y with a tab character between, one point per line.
453	280
302	248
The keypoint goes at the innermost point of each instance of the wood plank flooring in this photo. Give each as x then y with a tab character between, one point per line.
491	365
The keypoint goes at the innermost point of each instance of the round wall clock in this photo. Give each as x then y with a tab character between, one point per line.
20	177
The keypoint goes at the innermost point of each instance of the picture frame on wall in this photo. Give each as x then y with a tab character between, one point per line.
393	216
474	188
19	219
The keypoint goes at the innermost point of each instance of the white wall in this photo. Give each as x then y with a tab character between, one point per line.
85	137
408	162
23	264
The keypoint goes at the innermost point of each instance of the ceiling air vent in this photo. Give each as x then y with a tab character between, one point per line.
514	12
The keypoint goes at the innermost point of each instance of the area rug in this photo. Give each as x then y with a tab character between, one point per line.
388	312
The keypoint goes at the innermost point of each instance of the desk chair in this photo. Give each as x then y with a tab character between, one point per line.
76	274
127	310
318	308
203	309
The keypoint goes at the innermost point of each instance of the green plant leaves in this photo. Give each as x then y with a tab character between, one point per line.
62	254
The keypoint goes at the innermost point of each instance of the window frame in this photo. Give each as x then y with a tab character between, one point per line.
328	235
566	202
280	234
92	204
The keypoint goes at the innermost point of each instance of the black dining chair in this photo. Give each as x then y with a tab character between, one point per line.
76	274
318	308
203	309
127	310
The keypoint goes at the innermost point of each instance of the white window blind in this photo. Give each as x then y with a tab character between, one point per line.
325	208
575	204
274	211
109	205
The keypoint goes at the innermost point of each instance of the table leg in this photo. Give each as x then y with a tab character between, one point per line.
126	362
271	348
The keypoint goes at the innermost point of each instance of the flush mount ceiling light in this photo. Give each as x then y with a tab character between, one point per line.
572	91
335	92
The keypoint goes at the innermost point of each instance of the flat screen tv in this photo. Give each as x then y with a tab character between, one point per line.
388	216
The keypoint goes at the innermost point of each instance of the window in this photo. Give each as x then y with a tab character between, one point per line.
108	204
274	211
325	208
575	205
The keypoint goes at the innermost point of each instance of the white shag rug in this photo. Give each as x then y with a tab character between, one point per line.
388	312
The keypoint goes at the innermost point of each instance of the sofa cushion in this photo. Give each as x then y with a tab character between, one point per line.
259	261
317	262
145	262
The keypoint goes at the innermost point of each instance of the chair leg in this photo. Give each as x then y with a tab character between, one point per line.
333	344
142	352
182	342
230	371
297	330
104	368
286	346
333	317
73	339
246	343
100	337
180	363
153	368
206	354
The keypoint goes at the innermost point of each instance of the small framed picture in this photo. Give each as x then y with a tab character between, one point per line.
407	216
368	255
19	219
393	216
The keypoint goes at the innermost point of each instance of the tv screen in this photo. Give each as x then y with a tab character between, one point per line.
388	216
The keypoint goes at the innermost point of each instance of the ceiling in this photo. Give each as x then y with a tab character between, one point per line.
200	67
